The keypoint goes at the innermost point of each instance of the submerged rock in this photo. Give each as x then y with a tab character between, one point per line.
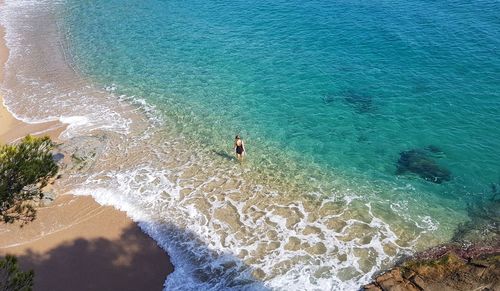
448	267
360	102
484	222
421	163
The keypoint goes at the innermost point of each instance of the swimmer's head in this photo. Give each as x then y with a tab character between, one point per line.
237	137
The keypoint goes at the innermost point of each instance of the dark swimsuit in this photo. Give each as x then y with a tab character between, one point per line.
239	149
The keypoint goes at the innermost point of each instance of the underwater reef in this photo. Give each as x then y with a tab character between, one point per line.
361	103
484	223
423	163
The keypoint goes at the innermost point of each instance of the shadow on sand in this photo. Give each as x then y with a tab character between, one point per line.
126	263
133	262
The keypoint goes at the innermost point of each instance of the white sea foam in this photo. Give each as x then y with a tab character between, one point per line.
151	197
140	201
428	223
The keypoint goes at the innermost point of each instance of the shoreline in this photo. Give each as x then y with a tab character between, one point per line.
11	128
98	242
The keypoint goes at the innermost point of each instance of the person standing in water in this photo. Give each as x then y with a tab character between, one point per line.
239	147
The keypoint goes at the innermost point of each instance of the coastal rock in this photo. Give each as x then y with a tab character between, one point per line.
421	163
76	154
392	280
80	153
447	267
58	158
49	195
372	287
419	282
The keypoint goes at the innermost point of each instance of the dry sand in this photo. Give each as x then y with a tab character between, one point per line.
74	243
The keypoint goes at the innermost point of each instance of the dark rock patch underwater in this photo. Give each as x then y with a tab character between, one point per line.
422	163
361	103
484	223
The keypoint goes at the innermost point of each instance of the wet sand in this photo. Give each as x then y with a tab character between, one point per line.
75	243
11	128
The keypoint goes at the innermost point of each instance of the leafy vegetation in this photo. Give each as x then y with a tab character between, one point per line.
25	169
12	278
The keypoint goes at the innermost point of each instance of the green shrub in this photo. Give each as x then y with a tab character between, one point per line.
25	168
12	278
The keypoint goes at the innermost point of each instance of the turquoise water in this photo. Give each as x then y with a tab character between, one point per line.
344	84
326	95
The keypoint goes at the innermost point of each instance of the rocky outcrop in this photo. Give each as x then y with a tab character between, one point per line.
75	155
81	153
444	268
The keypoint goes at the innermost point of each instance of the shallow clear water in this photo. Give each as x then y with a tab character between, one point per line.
325	94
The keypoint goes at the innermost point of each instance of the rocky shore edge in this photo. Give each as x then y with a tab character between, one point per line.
446	267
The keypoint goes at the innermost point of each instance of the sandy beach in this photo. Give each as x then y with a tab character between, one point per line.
75	243
12	129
